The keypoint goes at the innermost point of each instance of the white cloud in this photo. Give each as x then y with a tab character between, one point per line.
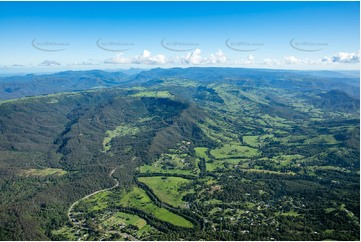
326	59
218	58
291	60
269	61
250	58
294	60
50	63
118	59
147	58
193	58
89	62
342	57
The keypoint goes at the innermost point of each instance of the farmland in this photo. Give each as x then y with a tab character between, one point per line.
177	158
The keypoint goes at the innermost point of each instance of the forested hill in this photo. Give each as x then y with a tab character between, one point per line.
29	85
180	154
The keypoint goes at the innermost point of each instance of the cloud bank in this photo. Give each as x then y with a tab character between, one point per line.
343	57
218	58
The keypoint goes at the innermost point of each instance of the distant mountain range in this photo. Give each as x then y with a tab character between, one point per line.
12	87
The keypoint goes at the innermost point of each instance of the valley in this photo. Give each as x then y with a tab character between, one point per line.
173	154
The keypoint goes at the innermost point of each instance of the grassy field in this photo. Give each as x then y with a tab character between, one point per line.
121	218
251	140
290	213
201	153
124	219
322	139
177	160
214	165
158	169
158	94
294	139
137	198
7	101
330	168
66	232
284	160
172	164
98	201
276	121
270	172
222	164
118	131
43	172
45	96
233	150
223	136
257	141
179	82
167	189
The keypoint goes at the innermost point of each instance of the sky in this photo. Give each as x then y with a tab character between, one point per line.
48	36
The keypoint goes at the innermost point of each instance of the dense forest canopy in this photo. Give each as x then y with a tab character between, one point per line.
180	154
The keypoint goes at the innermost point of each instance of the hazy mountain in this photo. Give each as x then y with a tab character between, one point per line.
29	85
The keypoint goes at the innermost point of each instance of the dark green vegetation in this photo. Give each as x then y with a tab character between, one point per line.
199	153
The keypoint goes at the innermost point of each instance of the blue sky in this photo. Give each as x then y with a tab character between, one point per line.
43	36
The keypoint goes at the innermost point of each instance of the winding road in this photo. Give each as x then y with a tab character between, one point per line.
92	194
78	224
